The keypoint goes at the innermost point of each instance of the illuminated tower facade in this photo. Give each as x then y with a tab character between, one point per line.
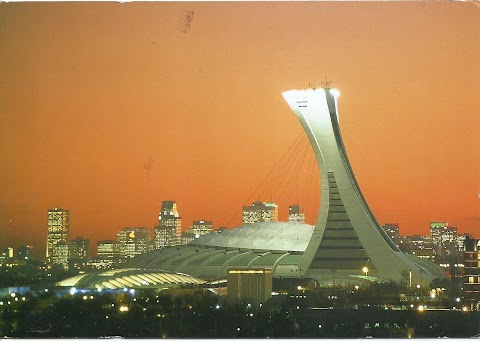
133	241
168	232
58	229
260	211
347	239
202	227
296	214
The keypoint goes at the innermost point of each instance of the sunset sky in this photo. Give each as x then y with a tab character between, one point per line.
107	109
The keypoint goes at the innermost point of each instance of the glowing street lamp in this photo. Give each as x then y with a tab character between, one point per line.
365	270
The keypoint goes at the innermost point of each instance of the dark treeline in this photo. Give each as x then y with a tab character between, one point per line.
201	314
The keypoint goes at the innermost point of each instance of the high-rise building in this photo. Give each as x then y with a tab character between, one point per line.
260	211
108	255
61	255
72	254
471	275
202	227
79	253
296	214
393	231
444	238
133	241
58	229
461	240
168	232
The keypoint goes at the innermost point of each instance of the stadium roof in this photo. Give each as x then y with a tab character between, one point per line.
129	278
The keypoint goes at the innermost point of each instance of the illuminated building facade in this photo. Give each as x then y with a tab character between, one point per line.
72	254
108	255
252	285
471	275
296	214
444	238
58	229
260	211
202	227
133	241
79	253
168	232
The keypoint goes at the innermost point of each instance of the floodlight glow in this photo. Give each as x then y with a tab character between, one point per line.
132	291
335	92
73	291
421	308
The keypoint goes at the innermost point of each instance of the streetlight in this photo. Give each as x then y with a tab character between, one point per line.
365	270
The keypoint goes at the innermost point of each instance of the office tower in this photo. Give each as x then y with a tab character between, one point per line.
108	255
461	240
444	238
253	285
72	254
296	214
7	255
168	232
202	227
58	229
61	254
79	253
260	211
393	231
133	241
471	275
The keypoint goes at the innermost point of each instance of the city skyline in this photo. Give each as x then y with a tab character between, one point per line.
109	109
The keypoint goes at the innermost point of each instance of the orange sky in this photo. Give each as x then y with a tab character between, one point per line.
92	92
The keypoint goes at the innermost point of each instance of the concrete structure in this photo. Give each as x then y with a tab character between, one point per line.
58	229
296	214
345	239
168	232
260	211
251	285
